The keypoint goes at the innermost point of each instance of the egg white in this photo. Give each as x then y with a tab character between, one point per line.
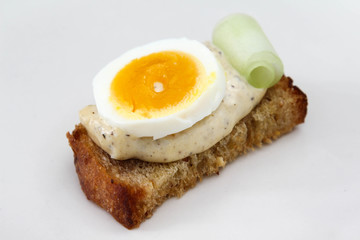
170	124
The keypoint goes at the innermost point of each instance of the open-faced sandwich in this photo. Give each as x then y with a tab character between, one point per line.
173	111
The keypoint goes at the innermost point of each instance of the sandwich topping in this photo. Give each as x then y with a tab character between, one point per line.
239	99
172	98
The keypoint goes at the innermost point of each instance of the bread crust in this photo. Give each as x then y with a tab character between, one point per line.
131	190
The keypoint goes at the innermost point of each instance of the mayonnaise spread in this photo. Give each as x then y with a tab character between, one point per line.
240	98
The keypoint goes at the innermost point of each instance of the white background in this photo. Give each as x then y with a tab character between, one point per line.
306	185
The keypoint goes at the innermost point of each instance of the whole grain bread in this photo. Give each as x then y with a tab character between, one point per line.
131	190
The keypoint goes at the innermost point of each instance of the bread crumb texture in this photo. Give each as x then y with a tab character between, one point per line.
131	190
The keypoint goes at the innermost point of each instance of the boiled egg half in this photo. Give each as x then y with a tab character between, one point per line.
160	88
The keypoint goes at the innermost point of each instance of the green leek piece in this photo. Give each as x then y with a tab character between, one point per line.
248	50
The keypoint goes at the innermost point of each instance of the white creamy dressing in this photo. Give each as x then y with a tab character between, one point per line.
240	98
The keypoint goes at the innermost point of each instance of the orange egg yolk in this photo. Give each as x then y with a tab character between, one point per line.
157	85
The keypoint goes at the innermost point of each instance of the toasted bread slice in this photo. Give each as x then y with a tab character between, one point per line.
130	190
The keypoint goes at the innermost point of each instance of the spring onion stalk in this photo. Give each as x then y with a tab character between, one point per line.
248	50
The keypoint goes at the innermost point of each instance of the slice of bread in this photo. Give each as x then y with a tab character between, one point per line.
130	190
